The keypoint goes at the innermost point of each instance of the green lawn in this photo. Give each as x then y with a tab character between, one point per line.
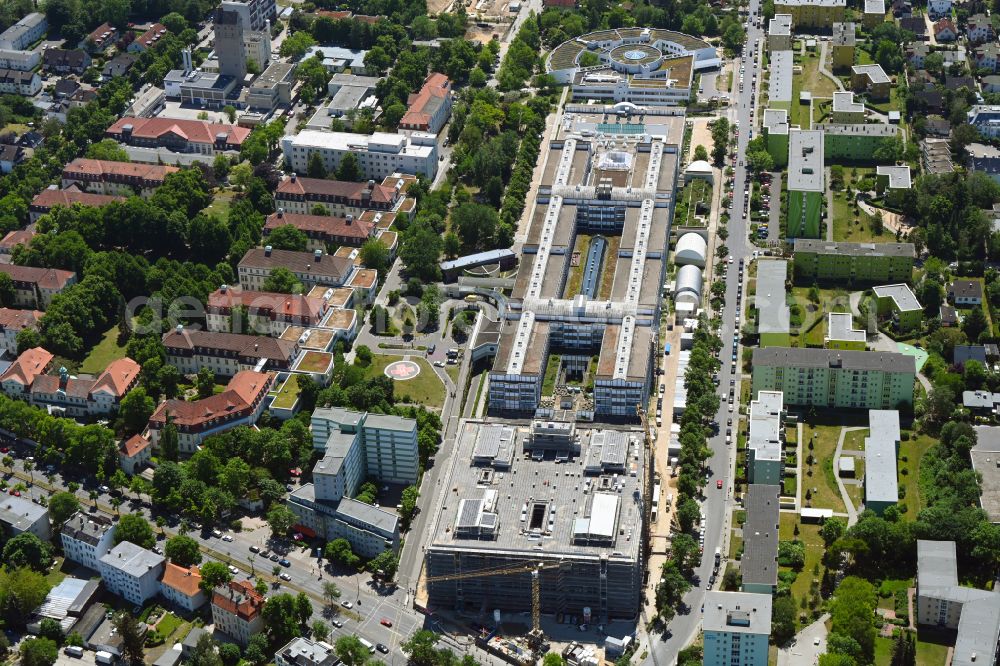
847	227
287	395
913	451
103	353
168	625
425	389
809	536
551	374
818	477
220	204
932	648
855	440
575	278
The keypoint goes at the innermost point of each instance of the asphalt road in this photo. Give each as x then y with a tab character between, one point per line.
717	504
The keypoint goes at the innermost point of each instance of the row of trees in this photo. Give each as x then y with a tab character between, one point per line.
703	403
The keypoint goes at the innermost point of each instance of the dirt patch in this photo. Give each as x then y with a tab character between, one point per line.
438	6
701	134
475	33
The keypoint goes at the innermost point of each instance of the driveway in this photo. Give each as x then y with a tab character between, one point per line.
803	651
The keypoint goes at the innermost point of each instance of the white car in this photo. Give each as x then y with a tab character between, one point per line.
284	576
226	537
347	604
233	570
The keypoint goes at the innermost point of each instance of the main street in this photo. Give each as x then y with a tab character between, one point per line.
717	505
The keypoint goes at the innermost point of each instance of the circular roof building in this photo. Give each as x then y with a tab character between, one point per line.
691	249
699	169
643	65
687	287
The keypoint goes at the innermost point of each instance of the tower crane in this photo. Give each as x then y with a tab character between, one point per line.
534	568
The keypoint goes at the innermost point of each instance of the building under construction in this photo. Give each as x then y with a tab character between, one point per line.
610	174
553	498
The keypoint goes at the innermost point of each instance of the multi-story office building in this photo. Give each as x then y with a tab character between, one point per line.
835	378
237	610
805	183
881	449
590	187
874	13
388	443
736	628
759	564
585	534
256	14
766	441
115	178
378	155
852	263
779	80
310	268
846	109
272	87
19	515
812	13
132	572
86	538
871	79
900	303
229	44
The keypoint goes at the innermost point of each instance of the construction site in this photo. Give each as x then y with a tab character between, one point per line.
540	519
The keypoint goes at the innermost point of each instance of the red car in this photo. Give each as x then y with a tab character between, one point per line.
385	622
15	493
4	449
718	484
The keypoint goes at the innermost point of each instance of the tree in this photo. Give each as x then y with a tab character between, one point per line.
281	519
133	527
783	615
281	618
320	630
109	150
133	635
688	514
49	628
288	237
27	550
207	653
62	506
374	254
671	589
350	651
282	281
39	652
331	593
408	504
853	611
350	169
240	175
552	659
700	153
420	648
339	551
316	167
213	575
832	529
183	551
205	383
476	225
296	45
386	562
974	324
135	409
22	590
169	440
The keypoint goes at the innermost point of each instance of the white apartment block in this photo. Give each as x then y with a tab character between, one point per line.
737	626
132	572
87	538
379	155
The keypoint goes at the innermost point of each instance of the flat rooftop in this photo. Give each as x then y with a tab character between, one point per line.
854	249
776	121
899	176
844	102
780	25
765	425
773	314
901	295
779	77
737	613
844	34
806	357
805	160
986	461
505	500
840	326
